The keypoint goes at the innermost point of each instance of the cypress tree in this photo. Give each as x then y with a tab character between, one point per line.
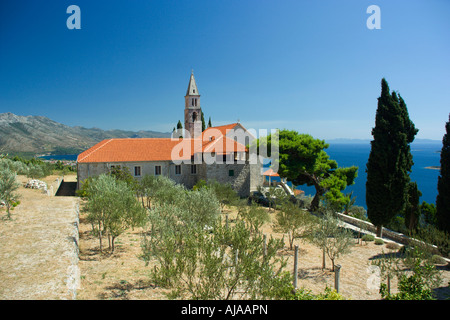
443	197
209	123
390	159
179	125
412	210
203	122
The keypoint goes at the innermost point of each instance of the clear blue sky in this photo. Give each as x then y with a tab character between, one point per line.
310	66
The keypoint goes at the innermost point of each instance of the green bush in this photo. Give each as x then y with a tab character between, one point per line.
368	238
392	246
437	259
379	241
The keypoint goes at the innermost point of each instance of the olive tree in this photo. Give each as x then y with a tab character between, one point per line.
333	239
294	221
112	208
203	258
8	186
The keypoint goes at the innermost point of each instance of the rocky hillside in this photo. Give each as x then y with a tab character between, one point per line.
40	135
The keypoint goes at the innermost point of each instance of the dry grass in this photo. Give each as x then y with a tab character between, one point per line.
123	275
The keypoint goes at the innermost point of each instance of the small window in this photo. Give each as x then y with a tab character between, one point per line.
193	169
157	170
178	169
231	173
137	171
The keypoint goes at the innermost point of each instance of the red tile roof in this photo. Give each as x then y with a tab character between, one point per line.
223	129
156	149
271	173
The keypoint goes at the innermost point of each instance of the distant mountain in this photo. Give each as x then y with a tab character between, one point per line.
367	141
41	135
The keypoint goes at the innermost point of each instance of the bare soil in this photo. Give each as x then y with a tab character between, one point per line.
37	250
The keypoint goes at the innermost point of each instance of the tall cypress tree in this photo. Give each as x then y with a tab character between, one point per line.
203	122
443	197
390	159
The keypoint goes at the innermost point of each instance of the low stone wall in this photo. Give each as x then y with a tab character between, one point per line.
73	271
388	234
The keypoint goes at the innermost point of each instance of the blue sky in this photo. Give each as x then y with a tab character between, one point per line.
310	66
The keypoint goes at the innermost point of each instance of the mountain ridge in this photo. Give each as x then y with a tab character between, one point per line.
41	135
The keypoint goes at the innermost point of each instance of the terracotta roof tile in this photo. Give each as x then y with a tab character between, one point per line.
156	149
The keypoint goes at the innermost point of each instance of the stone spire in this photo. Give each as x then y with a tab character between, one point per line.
192	87
192	109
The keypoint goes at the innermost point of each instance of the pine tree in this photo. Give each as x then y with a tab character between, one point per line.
443	197
390	159
179	125
209	123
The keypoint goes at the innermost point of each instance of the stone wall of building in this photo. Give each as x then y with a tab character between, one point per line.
243	177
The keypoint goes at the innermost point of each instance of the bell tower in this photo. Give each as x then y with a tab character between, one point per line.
192	109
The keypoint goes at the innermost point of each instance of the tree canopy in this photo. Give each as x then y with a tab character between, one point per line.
443	197
303	160
390	160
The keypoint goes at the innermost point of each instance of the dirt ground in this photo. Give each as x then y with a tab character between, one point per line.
123	275
36	260
37	251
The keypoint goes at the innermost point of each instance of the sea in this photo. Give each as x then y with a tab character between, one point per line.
425	154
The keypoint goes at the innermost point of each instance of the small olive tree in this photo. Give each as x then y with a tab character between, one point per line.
294	221
333	239
8	186
200	257
255	215
112	208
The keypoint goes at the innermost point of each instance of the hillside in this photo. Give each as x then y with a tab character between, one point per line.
40	135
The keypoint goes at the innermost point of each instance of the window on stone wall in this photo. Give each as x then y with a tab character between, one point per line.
137	171
157	170
231	173
178	169
193	169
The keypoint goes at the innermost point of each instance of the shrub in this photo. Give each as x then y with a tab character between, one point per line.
379	241
392	246
437	259
368	238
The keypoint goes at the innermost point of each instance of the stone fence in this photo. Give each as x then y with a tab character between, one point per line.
388	234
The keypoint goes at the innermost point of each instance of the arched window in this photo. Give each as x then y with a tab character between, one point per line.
192	102
195	101
194	116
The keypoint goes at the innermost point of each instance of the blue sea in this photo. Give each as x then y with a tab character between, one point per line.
425	154
68	157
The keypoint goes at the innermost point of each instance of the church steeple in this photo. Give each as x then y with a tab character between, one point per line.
192	109
192	87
